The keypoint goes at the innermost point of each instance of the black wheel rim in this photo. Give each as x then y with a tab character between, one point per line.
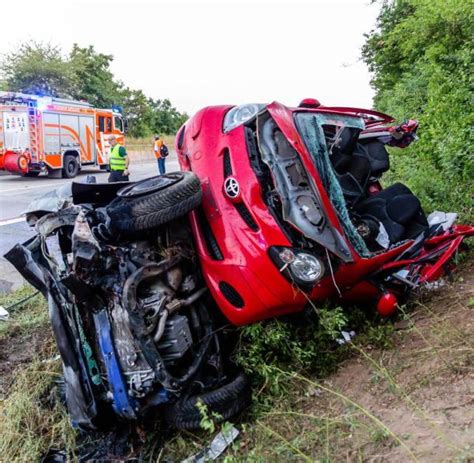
71	167
150	185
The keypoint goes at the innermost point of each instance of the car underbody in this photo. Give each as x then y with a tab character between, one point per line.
130	315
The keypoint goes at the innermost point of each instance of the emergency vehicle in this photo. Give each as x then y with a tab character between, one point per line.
54	135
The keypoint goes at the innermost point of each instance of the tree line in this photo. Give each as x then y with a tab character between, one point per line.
421	56
85	74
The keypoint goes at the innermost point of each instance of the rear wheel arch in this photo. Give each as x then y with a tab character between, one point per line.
74	153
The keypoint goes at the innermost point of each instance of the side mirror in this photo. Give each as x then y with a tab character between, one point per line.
125	125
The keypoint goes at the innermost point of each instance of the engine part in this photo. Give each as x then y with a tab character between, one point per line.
174	277
176	339
140	331
84	246
139	382
133	365
189	283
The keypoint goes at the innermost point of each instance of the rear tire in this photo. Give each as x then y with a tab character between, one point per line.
227	401
155	201
70	167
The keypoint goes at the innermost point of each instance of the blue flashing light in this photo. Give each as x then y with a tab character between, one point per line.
43	103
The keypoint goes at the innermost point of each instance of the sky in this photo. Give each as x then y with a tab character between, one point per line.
221	52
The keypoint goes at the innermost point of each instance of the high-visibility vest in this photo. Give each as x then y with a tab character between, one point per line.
117	162
157	148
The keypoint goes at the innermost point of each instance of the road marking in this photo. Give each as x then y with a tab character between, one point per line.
24	188
10	221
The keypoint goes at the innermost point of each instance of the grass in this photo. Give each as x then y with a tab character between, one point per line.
146	143
26	317
313	401
379	405
31	420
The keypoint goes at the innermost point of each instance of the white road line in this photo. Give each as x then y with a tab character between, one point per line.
10	221
24	188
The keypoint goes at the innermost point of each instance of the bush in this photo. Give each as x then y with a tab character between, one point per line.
421	56
303	343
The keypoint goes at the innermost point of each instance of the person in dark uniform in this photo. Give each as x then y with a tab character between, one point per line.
118	162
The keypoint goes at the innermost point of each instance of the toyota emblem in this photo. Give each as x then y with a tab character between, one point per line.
231	188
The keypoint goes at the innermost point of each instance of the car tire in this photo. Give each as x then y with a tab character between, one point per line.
70	166
227	401
155	201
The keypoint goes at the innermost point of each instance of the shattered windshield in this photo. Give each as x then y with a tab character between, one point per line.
319	133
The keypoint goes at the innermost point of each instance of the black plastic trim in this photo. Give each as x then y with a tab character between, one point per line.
231	294
212	246
246	216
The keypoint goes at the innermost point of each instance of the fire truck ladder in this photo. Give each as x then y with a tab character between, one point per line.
33	129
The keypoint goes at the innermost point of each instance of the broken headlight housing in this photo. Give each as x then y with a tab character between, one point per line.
301	267
238	115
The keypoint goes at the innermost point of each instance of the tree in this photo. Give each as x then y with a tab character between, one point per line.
84	74
421	57
38	68
93	79
138	112
166	118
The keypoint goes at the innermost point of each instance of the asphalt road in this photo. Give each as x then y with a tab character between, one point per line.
17	192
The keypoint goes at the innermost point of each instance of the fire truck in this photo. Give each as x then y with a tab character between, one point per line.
53	135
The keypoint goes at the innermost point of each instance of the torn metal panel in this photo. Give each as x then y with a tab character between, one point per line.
299	196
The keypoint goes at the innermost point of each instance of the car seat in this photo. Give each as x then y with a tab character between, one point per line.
356	162
352	168
399	211
396	207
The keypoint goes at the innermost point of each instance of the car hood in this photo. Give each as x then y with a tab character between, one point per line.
297	181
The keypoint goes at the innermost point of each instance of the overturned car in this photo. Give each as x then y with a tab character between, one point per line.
276	208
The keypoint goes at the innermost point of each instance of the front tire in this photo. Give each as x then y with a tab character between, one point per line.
155	201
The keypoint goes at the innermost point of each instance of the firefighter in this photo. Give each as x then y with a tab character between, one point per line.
119	161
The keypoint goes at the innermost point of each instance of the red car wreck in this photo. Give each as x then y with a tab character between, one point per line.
276	208
293	209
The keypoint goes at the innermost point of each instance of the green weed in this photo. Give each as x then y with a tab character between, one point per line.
26	317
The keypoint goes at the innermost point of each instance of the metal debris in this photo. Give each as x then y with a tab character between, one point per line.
346	337
216	448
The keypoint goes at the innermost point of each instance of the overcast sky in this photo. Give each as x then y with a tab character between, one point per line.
201	53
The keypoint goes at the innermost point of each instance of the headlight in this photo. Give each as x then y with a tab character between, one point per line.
300	267
306	267
240	114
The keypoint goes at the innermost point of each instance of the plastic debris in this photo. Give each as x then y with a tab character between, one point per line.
444	219
216	448
403	273
382	237
346	337
434	285
4	315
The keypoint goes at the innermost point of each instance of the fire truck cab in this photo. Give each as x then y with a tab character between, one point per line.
53	135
